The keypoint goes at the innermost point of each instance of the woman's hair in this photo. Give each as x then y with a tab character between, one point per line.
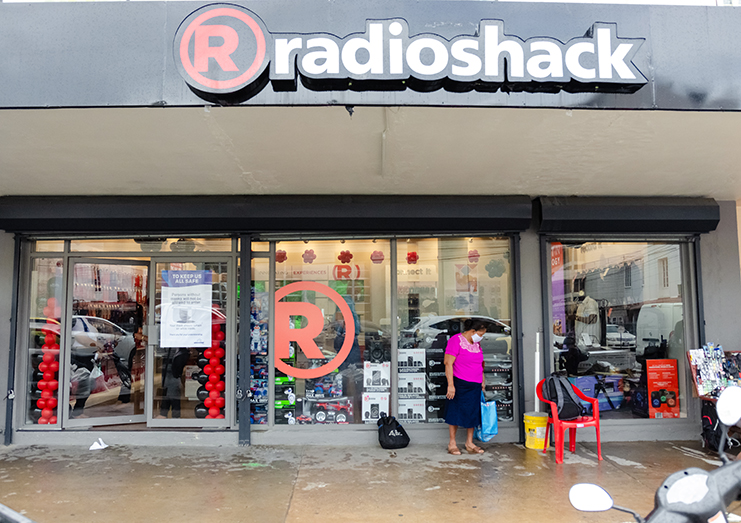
473	324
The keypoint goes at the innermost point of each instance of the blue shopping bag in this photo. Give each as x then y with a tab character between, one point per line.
489	421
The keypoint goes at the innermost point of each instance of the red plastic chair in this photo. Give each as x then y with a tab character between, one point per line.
560	426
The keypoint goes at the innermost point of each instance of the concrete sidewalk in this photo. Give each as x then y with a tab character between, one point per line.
324	484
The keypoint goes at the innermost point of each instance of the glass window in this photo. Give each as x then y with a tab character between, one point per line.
45	313
441	283
260	246
332	332
259	318
107	345
177	245
47	246
618	324
191	370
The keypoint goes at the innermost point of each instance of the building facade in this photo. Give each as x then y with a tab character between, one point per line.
253	223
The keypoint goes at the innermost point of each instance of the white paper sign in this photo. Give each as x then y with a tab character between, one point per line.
186	309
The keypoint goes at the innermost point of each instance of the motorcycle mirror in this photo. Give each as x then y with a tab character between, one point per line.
587	497
729	406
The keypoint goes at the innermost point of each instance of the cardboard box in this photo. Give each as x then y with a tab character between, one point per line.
411	410
377	376
663	389
411	360
374	403
412	385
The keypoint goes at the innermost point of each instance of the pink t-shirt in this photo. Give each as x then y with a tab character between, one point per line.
469	359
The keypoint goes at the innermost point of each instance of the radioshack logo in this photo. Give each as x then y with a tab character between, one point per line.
304	336
225	50
222	49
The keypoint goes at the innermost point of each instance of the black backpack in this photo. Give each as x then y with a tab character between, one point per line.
391	435
558	390
711	428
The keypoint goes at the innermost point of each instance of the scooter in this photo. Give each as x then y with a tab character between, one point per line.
692	495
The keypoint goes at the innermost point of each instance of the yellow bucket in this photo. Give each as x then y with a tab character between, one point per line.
535	424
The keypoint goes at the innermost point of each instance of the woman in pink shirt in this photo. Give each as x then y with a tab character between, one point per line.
464	368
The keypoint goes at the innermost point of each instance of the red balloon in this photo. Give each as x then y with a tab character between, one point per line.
52	385
215	344
214	361
213	378
46	394
53	420
219	353
216	327
55	347
209	417
51	320
208	369
43	421
45	348
208	402
213	411
42	385
220	336
43	366
208	353
220	386
51	403
210	385
49	357
51	302
47	311
47	413
41	403
219	369
220	416
220	402
48	376
53	366
214	394
50	338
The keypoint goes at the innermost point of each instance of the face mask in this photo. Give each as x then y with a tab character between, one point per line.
476	338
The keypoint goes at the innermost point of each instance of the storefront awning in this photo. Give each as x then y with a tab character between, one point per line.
266	214
584	215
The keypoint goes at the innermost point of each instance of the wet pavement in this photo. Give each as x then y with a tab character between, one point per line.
330	484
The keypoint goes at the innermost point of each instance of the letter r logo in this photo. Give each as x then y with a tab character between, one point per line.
203	50
221	48
305	336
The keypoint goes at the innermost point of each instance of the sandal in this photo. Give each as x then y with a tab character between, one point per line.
455	451
474	450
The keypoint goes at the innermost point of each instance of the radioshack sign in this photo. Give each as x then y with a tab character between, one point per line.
224	49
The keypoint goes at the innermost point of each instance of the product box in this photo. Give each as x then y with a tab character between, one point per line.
285	414
285	380
436	363
412	385
411	410
376	376
436	411
663	388
330	410
613	386
285	394
436	387
411	360
374	403
325	387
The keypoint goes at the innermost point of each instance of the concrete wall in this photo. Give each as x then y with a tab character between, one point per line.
721	280
6	298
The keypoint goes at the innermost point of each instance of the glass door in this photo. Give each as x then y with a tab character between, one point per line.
106	358
190	346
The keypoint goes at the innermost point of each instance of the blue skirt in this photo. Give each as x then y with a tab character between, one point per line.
464	410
